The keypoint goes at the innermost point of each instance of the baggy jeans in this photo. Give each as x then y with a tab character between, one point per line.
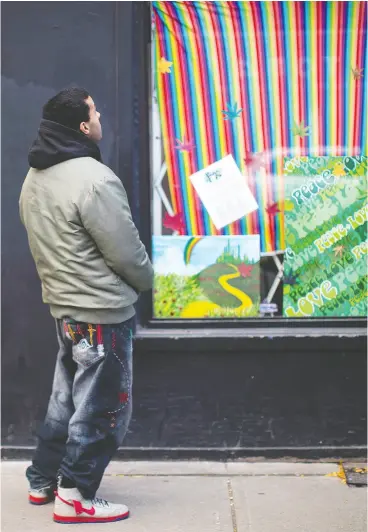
90	405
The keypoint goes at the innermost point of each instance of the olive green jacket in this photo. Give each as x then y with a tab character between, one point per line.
88	254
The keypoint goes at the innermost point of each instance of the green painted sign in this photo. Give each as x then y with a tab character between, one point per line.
325	265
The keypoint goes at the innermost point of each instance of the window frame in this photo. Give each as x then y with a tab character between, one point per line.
140	193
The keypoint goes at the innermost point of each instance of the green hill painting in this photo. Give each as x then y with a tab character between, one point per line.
206	277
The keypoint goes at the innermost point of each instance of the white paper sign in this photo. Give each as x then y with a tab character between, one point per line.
224	192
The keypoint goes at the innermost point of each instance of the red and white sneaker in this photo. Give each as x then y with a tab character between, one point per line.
70	507
41	496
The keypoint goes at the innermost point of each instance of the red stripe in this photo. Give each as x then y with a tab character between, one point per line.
276	6
188	110
225	97
357	125
244	99
263	92
170	155
234	13
281	71
99	334
236	32
207	113
300	77
319	75
204	81
339	77
261	70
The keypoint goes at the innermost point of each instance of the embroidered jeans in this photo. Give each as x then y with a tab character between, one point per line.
90	405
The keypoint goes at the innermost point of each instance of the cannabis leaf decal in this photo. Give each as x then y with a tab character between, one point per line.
338	250
300	130
184	145
232	112
173	222
357	72
290	279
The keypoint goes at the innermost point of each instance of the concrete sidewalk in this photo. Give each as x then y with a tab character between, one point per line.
205	497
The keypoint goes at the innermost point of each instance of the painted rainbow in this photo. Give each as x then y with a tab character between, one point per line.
188	250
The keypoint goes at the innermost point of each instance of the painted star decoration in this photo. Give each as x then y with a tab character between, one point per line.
338	250
245	270
232	111
184	145
164	66
357	72
273	209
300	130
173	222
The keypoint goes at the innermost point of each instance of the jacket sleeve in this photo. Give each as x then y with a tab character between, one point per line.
106	215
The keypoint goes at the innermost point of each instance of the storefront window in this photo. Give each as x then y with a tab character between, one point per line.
259	174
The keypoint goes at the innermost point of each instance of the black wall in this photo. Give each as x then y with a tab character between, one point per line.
47	46
240	397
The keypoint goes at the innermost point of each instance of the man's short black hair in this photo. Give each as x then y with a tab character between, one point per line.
68	108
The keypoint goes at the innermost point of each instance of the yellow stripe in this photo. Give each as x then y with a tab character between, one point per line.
353	64
332	126
164	126
214	68
194	64
314	126
254	70
239	140
294	82
178	82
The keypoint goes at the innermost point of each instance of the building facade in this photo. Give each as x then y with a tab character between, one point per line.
239	132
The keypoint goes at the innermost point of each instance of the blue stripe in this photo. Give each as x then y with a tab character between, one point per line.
269	115
345	74
175	115
328	80
197	152
288	70
250	103
363	125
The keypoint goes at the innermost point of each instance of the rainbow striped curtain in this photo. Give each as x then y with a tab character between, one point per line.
296	69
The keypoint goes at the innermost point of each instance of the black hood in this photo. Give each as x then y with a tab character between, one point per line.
56	143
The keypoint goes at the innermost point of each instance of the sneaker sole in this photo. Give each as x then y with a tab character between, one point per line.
75	520
36	501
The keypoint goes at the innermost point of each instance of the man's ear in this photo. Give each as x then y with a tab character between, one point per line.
84	127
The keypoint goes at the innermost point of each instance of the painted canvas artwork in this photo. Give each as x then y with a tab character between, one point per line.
206	277
325	266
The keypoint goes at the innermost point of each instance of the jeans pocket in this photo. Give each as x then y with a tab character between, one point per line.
86	354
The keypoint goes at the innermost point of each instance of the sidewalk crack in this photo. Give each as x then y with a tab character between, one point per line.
232	505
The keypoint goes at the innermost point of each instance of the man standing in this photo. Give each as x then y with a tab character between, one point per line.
92	266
